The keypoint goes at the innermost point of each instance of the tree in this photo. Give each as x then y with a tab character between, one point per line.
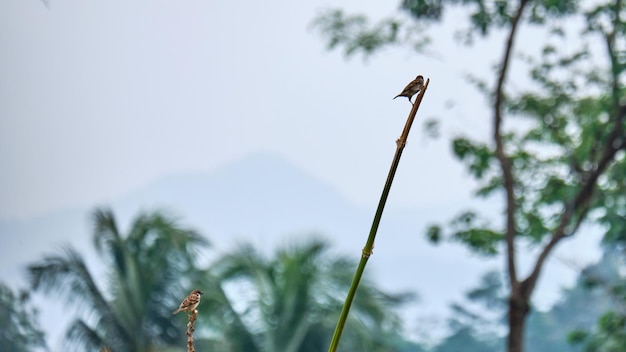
290	302
558	162
146	276
19	329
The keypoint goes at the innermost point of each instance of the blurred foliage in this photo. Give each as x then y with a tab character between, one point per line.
286	302
147	274
606	279
290	302
561	145
19	329
356	34
558	150
478	322
564	119
577	310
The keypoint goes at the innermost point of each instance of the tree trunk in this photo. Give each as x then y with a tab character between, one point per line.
518	309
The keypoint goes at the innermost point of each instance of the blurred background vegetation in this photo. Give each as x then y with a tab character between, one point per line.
286	301
564	143
557	154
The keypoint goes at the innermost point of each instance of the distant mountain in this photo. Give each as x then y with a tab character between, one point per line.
261	195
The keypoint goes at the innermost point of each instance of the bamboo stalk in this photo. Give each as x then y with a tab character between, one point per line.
369	245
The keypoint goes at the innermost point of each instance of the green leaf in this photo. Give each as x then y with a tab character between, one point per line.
577	337
476	155
433	233
469	229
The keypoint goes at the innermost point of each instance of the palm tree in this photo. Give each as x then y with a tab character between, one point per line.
145	271
290	302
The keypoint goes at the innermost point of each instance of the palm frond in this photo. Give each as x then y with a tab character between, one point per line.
67	275
80	337
106	238
298	294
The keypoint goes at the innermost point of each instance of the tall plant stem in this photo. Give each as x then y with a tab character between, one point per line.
369	245
190	329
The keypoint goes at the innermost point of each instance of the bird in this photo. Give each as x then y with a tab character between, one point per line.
190	303
412	88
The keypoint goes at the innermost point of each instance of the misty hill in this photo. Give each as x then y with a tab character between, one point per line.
259	196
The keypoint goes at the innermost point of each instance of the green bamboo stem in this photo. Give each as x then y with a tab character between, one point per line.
369	245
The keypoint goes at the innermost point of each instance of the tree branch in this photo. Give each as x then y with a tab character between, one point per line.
610	47
505	162
581	203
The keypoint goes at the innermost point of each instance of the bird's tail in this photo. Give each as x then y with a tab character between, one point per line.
176	311
396	96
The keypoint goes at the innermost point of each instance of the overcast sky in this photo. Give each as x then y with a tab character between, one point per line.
98	98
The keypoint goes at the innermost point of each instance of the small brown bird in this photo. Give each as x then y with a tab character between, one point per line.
190	303
412	88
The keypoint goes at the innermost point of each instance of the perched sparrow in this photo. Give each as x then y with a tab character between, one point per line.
412	88
190	303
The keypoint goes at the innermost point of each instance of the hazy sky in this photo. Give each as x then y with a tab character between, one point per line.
98	98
